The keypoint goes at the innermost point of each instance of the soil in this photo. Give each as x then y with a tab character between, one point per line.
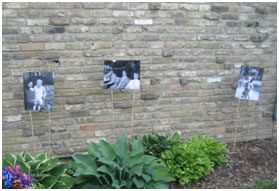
243	169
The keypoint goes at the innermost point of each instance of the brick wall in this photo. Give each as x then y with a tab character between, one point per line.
190	56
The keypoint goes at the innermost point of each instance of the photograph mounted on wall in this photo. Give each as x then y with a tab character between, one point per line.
249	83
38	90
122	74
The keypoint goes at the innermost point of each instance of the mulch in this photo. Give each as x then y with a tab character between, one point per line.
243	169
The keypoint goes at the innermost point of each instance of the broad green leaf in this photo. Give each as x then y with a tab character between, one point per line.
41	156
91	186
147	159
58	170
106	170
132	161
6	163
81	179
137	145
48	182
11	159
28	157
66	179
146	177
136	170
115	184
93	150
60	185
139	182
162	174
107	150
121	147
160	185
85	160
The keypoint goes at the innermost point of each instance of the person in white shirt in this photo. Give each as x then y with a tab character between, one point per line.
135	83
40	95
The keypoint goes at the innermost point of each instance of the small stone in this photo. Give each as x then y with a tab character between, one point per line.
251	24
233	24
117	30
167	53
39	132
143	21
220	60
230	16
122	105
214	79
149	96
211	16
60	21
63	151
56	30
183	81
259	38
219	9
27	132
262	10
78	114
154	6
84	29
154	82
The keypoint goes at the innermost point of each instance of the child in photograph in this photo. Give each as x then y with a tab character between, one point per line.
124	80
247	88
135	83
30	95
40	95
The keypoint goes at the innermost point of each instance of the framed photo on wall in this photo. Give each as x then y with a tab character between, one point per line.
122	74
249	83
38	90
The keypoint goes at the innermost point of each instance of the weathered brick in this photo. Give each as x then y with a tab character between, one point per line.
37	22
32	47
89	127
54	46
59	21
219	9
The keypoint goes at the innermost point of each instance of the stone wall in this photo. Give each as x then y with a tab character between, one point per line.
190	56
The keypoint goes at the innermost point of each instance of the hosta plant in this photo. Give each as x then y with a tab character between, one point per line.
214	149
119	166
48	173
187	162
154	144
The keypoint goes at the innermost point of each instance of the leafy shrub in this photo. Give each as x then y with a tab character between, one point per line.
49	173
119	166
155	144
15	178
214	149
187	162
192	159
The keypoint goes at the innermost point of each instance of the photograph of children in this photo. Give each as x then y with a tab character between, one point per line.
122	75
38	90
249	83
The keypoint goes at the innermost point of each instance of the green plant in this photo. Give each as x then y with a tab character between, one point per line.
71	167
262	184
154	144
119	166
49	173
214	149
187	162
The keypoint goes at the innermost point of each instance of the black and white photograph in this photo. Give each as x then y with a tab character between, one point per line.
38	90
249	83
122	74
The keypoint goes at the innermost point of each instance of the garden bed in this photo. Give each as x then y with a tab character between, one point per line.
242	170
